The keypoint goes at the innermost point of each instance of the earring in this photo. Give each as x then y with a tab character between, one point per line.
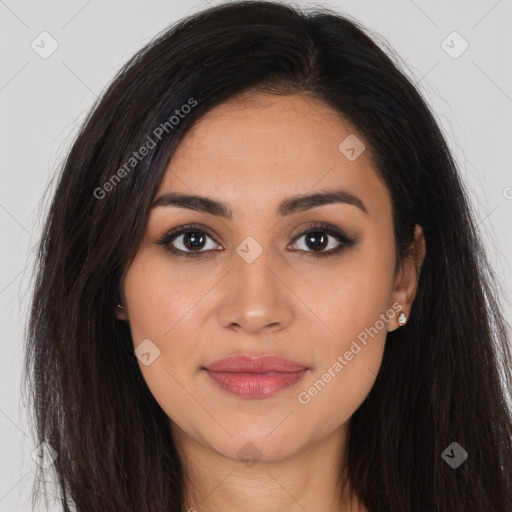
402	319
120	307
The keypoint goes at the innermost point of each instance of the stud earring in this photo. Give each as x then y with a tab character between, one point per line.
402	319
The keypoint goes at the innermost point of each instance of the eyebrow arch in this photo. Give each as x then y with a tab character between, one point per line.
287	207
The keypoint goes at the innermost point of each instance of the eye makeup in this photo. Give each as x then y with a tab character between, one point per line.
316	231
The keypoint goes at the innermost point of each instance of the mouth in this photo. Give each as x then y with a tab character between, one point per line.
255	377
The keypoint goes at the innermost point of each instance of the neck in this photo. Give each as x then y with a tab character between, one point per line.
309	480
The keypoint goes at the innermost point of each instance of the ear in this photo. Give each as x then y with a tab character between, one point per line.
406	280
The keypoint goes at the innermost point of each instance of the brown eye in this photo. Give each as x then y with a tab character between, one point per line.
192	240
316	240
320	240
188	241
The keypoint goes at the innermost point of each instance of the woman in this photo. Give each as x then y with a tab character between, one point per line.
260	286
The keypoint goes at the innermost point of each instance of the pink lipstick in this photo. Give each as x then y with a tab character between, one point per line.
255	377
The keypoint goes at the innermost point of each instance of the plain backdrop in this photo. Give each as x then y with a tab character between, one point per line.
465	76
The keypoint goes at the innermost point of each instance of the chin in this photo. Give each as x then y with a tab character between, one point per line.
255	445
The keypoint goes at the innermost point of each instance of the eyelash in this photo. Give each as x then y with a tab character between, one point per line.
345	241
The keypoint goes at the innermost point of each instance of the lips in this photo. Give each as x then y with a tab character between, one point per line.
255	377
248	364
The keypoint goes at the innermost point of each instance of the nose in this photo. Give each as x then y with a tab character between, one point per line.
256	297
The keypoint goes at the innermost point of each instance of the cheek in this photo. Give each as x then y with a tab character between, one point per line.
353	302
163	307
348	362
161	297
349	297
159	309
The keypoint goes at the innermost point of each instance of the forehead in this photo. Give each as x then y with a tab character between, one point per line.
269	146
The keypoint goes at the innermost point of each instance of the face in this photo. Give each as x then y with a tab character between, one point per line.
252	283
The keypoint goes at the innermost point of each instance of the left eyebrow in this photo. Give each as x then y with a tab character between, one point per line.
308	201
287	207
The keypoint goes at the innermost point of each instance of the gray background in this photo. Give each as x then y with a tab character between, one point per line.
44	100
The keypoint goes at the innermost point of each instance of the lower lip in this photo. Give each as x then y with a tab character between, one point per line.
255	385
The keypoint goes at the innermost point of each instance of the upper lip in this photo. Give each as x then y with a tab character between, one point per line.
249	364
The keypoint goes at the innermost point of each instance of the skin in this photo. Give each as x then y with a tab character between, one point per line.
252	153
